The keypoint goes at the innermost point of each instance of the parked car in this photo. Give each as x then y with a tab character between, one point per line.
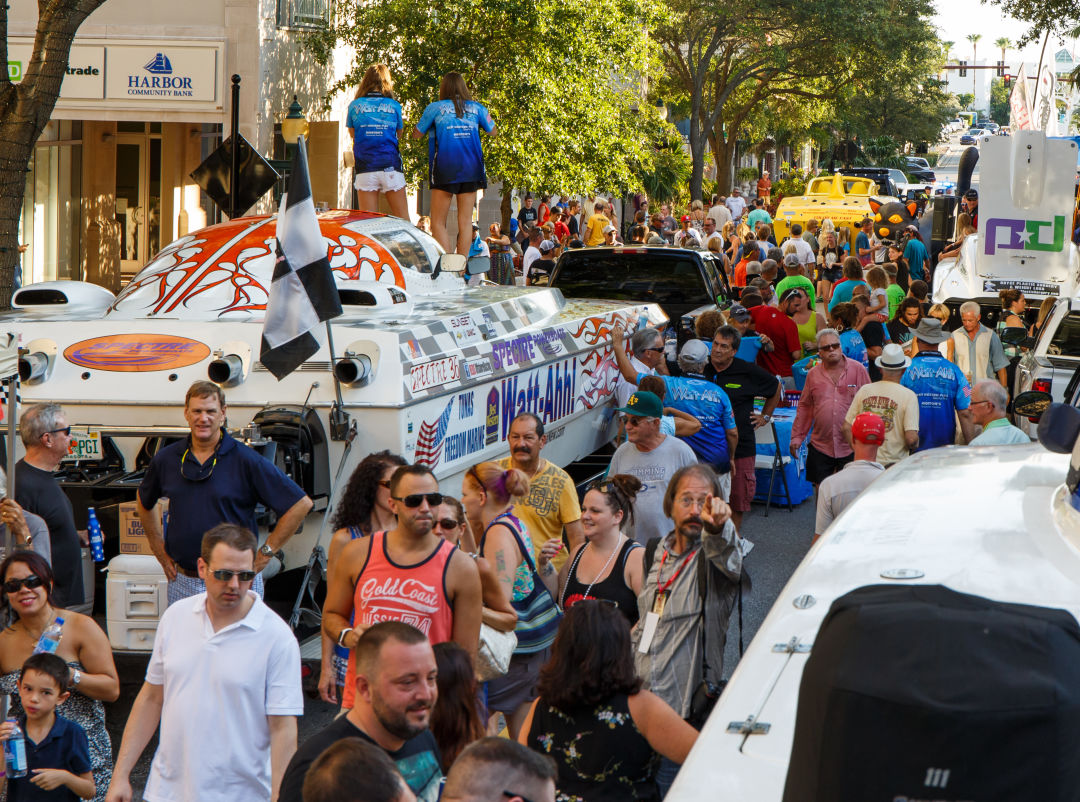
919	170
970	137
683	282
1049	362
890	181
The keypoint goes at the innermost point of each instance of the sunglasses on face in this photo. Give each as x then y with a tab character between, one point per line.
655	350
29	582
829	347
66	430
414	500
226	576
447	523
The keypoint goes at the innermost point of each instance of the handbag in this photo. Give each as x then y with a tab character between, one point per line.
538	614
493	656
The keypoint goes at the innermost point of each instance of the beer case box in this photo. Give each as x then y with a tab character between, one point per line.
132	537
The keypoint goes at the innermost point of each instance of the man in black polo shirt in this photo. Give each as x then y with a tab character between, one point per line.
46	436
395	692
209	479
742	381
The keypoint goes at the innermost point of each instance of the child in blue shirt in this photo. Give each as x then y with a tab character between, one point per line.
57	750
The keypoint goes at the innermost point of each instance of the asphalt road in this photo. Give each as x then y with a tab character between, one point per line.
780	542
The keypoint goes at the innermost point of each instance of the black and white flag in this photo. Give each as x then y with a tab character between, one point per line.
303	293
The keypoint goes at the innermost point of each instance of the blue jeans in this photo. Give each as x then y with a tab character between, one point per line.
665	776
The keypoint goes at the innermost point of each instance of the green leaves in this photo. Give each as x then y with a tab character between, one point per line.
562	80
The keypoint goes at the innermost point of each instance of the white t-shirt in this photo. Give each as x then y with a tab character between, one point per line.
687	239
532	253
880	297
719	214
836	492
218	688
803	250
654	469
897	406
736	205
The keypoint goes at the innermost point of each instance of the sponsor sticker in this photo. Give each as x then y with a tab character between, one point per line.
434	374
136	353
466	330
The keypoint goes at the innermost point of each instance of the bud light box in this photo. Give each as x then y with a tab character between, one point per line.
132	537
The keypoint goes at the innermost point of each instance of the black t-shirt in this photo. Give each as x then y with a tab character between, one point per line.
36	491
526	217
418	760
743	381
572	224
873	334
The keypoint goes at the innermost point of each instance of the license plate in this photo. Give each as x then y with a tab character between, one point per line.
85	445
1026	286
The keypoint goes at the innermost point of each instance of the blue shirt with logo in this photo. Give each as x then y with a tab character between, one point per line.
375	120
854	346
454	151
710	405
942	390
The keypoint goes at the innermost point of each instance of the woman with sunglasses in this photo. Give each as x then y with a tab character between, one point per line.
592	717
28	596
488	493
608	566
364	508
452	525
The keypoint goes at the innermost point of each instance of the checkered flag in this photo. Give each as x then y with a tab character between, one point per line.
303	293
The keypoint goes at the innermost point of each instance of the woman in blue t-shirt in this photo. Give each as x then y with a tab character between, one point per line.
375	123
455	158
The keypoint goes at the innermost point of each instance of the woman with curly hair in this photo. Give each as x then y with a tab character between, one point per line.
455	719
364	508
605	733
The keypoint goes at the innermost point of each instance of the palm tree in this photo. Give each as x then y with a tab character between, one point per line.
946	46
974	39
1003	43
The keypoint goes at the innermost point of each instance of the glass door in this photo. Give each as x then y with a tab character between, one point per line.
138	199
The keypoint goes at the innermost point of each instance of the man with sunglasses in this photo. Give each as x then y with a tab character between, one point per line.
46	436
646	356
223	682
407	574
210	478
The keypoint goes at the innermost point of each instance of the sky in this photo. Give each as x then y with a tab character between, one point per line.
956	19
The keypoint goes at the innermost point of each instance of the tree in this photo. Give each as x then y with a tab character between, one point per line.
25	109
999	101
1003	43
974	39
966	100
561	80
1044	16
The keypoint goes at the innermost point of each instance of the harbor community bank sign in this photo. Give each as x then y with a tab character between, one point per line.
171	73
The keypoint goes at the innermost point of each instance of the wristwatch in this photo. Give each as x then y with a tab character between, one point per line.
766	418
76	678
266	550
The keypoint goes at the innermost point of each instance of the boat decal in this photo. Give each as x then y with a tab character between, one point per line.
131	353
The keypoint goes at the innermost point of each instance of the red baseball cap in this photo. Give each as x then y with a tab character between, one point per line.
868	428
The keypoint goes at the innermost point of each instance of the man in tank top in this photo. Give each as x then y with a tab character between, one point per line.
407	574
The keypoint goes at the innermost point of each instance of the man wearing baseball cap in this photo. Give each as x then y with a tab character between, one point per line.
651	456
943	390
714	444
686	237
839	490
895	404
971	204
795	277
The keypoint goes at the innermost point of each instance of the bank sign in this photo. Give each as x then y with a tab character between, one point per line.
163	73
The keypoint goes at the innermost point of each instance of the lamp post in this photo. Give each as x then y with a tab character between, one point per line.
294	126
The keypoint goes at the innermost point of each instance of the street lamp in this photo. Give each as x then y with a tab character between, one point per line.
294	126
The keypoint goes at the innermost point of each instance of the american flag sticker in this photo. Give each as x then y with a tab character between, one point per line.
413	348
429	441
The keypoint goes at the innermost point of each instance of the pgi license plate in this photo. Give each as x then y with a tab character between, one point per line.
85	445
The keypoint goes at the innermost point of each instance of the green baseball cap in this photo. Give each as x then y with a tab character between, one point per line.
643	405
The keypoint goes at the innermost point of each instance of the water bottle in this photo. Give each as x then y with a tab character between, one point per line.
643	320
671	345
15	753
50	638
97	542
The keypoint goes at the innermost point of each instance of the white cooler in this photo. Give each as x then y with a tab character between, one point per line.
135	598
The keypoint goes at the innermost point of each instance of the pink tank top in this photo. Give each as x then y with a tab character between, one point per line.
414	594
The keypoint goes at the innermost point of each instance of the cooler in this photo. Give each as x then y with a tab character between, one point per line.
135	595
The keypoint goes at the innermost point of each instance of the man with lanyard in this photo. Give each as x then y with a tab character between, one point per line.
943	392
679	642
743	382
210	478
715	443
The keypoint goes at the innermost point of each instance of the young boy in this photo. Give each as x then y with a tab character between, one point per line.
57	752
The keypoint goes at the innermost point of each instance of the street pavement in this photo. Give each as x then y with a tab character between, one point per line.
780	541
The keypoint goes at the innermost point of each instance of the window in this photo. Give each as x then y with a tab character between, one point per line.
1066	341
617	277
404	247
303	13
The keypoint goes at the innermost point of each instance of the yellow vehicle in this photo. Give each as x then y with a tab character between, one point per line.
844	199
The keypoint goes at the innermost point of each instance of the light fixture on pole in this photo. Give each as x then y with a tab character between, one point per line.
294	126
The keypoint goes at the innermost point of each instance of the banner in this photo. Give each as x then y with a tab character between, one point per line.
1044	111
1019	104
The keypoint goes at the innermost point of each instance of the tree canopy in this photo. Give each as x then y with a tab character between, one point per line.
562	80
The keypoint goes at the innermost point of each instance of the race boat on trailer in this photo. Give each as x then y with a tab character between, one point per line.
424	365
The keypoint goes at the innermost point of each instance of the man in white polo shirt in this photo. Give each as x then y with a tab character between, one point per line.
223	682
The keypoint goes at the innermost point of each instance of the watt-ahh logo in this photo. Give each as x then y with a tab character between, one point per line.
1023	235
936	778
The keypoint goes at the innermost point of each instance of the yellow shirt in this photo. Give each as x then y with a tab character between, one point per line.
551	504
594	230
